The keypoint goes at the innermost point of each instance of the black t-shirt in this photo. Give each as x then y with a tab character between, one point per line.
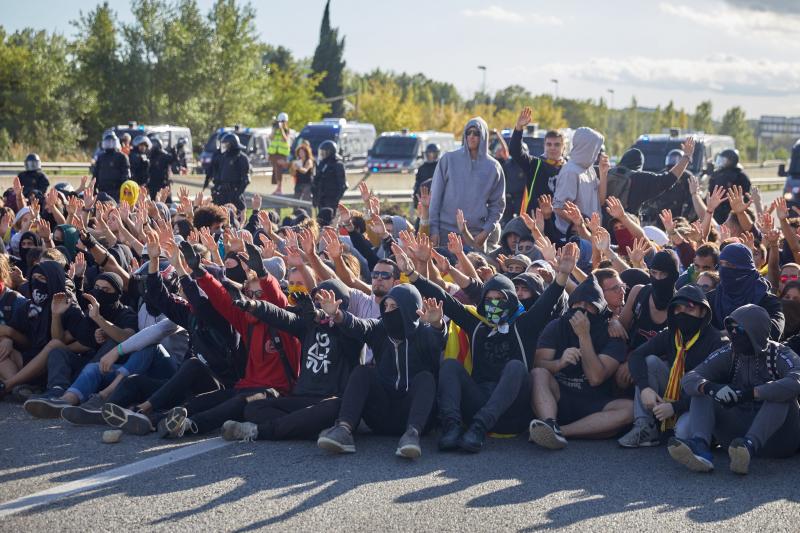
572	377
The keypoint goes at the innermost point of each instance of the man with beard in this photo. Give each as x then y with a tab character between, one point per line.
744	396
575	362
658	365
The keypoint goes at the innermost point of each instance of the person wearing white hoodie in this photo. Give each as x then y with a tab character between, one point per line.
577	182
471	180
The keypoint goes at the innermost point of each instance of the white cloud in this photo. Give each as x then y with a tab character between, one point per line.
744	22
500	14
719	73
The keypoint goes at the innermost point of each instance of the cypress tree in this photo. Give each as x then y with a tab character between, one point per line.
328	59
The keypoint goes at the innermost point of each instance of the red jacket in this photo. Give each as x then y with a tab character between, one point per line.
264	366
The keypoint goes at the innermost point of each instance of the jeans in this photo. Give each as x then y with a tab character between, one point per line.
153	361
292	417
657	379
486	403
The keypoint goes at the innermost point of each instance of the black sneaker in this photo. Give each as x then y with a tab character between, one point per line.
472	440
547	434
337	440
45	407
176	424
128	421
694	454
89	412
408	446
740	451
449	436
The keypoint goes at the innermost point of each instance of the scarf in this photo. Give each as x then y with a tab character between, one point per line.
673	390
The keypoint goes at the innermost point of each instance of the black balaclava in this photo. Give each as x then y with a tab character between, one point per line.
236	273
688	325
663	289
395	324
108	301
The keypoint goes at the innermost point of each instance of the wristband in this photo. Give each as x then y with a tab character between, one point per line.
119	350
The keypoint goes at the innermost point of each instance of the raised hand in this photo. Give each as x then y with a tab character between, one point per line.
431	312
441	262
364	190
748	240
454	244
546	205
547	248
694	185
423	250
345	218
567	258
736	199
666	220
594	222
524	118
294	258
256	202
333	246
328	302
601	239
92	306
267	247
717	196
254	261
377	226
604	165
573	213
307	243
637	253
59	304
402	259
461	222
688	146
615	209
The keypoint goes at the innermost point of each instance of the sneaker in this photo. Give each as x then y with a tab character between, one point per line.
449	436
472	440
175	424
740	451
45	407
89	412
409	445
49	394
128	421
23	393
337	440
643	434
241	431
547	434
694	454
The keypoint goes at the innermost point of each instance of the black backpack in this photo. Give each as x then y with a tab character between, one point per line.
619	184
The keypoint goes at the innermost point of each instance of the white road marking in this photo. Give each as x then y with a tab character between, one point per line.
110	476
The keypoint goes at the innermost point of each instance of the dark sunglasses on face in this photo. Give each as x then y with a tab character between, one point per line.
382	275
736	328
254	294
786	277
473	133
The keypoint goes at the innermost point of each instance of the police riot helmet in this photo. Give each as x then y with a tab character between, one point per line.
326	149
32	162
229	141
64	188
142	139
728	158
673	157
434	150
110	141
156	143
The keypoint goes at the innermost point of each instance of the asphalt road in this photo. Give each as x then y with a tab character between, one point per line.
293	486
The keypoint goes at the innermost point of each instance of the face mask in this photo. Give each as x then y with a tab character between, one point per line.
624	239
106	300
688	325
39	291
527	303
732	277
293	288
663	289
393	321
741	343
236	273
495	310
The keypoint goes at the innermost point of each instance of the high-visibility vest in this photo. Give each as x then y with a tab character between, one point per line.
278	146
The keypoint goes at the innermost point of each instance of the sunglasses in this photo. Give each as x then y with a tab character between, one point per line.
381	275
473	133
254	294
786	277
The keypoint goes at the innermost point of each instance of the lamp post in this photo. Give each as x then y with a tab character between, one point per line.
483	82
611	92
555	88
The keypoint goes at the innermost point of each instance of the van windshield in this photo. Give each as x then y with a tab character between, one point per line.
395	147
315	135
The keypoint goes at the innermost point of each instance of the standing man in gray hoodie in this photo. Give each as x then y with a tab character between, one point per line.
577	181
471	180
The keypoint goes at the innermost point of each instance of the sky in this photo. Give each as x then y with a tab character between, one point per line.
733	52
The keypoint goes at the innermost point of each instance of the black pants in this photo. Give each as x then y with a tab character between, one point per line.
292	417
503	406
385	410
210	410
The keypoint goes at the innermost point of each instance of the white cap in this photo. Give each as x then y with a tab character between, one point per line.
656	235
283	117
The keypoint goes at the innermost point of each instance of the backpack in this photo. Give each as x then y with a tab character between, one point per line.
619	184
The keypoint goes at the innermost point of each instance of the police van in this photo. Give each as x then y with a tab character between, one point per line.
791	189
353	139
404	151
169	136
656	146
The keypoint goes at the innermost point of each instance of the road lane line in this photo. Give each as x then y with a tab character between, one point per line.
110	476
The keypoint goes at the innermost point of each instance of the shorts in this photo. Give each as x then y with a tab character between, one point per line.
574	405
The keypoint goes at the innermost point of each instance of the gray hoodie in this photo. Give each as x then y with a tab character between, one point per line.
477	187
577	181
774	371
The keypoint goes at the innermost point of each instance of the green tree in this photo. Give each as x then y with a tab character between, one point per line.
293	91
328	60
512	97
734	123
701	120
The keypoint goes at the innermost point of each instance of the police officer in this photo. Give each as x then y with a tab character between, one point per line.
160	162
140	162
213	166
330	182
233	173
179	164
727	172
677	198
111	169
425	170
32	178
278	150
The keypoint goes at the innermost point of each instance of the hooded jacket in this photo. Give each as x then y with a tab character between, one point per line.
398	362
577	180
492	348
477	187
327	355
663	345
516	226
644	185
774	371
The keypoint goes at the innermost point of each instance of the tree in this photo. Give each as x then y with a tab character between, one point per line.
512	97
701	121
734	123
328	61
293	91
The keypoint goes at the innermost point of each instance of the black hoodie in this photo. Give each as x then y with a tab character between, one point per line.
398	362
663	344
491	348
644	185
327	355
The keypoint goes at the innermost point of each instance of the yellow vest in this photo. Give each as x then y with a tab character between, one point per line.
278	146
